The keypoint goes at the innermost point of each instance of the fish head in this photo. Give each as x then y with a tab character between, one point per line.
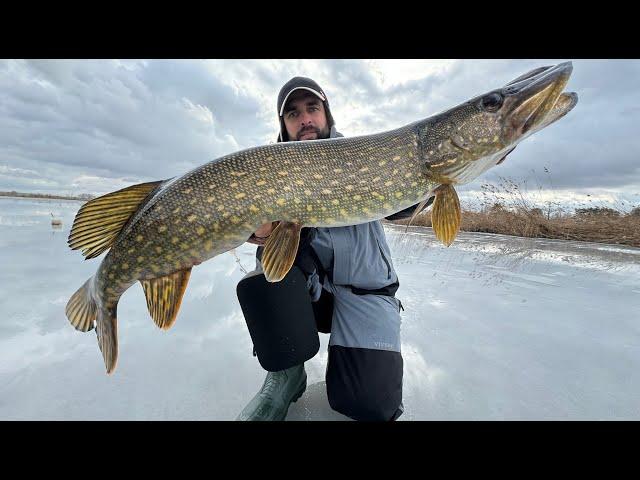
467	140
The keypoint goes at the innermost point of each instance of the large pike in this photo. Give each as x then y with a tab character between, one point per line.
156	232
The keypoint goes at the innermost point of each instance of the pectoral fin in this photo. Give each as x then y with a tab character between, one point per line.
164	296
418	209
445	216
505	156
280	250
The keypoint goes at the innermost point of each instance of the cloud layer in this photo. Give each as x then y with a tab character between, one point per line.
81	126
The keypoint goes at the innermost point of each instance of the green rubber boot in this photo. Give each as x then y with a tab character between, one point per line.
278	391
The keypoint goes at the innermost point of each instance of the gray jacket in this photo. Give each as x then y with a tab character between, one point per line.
357	256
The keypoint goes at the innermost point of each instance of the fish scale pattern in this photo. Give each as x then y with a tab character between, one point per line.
217	206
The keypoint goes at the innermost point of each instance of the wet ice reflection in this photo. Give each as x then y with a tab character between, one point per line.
495	327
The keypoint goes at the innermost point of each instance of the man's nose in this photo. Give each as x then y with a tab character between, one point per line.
305	119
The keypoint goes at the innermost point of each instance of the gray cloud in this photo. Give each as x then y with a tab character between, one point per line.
81	125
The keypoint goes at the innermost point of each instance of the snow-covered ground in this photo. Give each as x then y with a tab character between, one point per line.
494	327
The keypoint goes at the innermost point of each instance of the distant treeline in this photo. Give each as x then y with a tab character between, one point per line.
82	196
587	225
505	209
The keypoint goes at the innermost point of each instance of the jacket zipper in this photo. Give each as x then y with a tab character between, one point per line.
385	260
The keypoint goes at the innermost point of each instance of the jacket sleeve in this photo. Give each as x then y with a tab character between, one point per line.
304	261
407	212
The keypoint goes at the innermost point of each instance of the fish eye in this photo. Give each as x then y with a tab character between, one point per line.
492	102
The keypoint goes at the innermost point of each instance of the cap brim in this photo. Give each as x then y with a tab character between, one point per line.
315	92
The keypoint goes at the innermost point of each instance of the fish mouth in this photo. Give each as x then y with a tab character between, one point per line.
534	96
565	103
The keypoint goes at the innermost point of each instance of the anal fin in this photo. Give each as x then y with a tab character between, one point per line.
164	296
445	216
280	251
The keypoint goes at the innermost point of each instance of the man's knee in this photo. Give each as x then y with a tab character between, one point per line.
365	384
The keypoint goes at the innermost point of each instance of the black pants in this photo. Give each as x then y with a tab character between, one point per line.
363	384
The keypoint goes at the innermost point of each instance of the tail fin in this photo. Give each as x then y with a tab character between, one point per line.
107	331
83	313
82	309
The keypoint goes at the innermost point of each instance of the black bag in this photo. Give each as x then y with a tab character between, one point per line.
280	318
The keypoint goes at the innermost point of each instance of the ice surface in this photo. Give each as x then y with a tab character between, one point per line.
494	327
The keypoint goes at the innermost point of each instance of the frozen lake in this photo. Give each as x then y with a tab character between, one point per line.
494	328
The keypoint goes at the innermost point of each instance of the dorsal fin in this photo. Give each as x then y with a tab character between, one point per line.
99	221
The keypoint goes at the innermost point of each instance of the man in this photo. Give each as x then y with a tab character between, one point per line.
351	280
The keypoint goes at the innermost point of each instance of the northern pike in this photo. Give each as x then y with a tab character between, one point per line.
156	232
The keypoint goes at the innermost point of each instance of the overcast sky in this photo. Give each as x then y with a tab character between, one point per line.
94	126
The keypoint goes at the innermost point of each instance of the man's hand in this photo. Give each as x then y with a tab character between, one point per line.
262	233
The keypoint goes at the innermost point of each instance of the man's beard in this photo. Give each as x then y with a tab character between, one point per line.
319	133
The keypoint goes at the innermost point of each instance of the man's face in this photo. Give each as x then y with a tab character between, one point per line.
304	117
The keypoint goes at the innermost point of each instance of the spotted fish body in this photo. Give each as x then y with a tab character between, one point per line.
216	207
156	232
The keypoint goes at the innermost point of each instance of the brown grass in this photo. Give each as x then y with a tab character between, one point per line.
505	210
